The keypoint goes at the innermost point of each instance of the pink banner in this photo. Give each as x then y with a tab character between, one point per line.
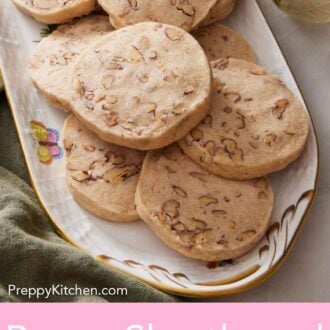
198	316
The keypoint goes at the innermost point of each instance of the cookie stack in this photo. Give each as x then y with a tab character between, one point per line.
173	128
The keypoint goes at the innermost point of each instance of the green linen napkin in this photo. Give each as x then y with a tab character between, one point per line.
32	255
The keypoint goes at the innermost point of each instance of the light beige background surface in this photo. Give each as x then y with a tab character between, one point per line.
305	276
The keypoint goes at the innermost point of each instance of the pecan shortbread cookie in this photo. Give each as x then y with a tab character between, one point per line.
219	41
255	126
186	14
101	176
53	58
197	213
220	11
143	86
55	11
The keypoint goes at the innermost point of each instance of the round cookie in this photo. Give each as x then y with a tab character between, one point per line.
255	125
53	58
219	41
143	86
55	11
102	177
186	14
197	213
220	11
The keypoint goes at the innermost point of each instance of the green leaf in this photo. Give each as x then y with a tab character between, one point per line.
47	31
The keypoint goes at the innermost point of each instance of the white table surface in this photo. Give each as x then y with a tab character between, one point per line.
305	276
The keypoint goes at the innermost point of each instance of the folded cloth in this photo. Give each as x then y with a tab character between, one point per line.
32	255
